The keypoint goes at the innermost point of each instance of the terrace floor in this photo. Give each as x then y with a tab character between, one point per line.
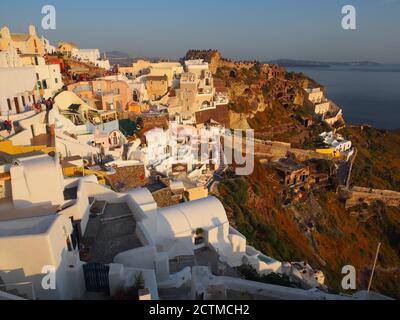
209	258
111	233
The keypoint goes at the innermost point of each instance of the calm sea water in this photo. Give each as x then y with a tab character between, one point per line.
367	94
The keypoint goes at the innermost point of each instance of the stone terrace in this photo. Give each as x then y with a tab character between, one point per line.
111	233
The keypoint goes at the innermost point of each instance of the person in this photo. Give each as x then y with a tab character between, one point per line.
51	103
8	126
42	103
35	107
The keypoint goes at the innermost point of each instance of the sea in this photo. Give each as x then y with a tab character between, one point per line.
367	94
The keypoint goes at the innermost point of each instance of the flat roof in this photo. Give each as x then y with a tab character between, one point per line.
8	212
28	226
289	164
157	78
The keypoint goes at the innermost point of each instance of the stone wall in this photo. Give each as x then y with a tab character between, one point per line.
127	178
358	195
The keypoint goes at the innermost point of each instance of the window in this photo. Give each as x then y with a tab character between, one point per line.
9	104
56	80
23	101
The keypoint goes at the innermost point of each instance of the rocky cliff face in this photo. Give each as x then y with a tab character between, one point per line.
267	100
315	227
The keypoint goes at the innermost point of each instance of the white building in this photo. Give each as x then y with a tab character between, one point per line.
315	95
49	79
91	56
321	106
21	86
75	134
336	141
17	89
10	59
30	245
180	145
38	235
48	47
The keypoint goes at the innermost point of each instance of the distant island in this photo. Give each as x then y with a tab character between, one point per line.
126	59
319	64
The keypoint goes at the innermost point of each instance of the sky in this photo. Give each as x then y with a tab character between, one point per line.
240	29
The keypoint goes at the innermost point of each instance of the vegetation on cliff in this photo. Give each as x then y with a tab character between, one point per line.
315	228
273	106
378	161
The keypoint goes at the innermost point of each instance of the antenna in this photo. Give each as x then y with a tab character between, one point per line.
373	269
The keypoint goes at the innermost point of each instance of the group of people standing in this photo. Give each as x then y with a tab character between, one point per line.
43	104
39	106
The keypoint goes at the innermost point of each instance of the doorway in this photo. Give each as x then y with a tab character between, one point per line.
16	102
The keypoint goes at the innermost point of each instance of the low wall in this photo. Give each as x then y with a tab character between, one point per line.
359	195
303	155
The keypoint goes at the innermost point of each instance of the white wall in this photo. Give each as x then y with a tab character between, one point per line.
24	256
68	146
15	83
80	211
10	59
24	137
29	177
51	74
142	258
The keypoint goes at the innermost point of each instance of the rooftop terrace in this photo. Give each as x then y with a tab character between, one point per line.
110	233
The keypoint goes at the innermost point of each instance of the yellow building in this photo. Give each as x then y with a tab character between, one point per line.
26	44
66	48
197	193
170	69
157	87
139	68
7	148
331	152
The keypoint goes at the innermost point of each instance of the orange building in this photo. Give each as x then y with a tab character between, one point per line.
104	94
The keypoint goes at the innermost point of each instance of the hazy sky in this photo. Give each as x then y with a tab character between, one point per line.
243	29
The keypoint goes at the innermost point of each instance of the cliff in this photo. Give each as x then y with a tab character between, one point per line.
315	225
317	228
